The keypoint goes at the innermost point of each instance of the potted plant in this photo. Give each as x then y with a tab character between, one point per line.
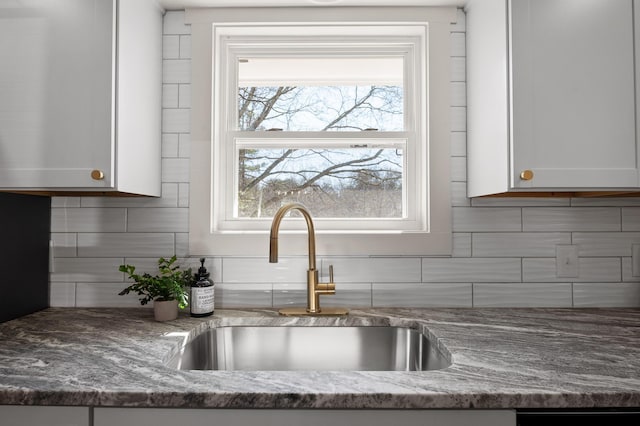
167	290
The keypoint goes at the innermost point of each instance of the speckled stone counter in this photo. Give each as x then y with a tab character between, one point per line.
502	358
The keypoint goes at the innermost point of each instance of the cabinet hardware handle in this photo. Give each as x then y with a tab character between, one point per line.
526	175
97	174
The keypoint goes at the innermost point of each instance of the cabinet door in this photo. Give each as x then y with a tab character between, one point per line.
573	100
310	417
57	90
22	415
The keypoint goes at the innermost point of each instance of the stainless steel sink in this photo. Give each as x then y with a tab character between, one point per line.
310	348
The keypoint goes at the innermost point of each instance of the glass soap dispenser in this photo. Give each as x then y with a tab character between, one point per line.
201	298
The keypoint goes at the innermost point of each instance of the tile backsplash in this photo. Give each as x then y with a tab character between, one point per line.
504	248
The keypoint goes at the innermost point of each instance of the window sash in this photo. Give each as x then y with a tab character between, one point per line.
227	193
302	140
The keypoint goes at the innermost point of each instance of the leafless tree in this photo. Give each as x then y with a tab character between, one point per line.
336	184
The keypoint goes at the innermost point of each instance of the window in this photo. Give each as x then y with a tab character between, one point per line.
348	116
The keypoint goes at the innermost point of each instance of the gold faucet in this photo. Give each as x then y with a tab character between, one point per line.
314	287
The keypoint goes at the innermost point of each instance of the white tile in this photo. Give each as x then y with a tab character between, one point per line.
64	245
486	219
461	270
571	219
259	270
216	269
627	271
142	265
170	47
184	148
88	220
243	296
169	145
422	295
288	295
605	243
520	202
370	270
185	47
518	244
169	198
175	170
459	195
354	295
458	144
604	295
182	243
461	244
631	219
158	220
176	120
458	44
351	295
62	295
184	96
65	201
458	69
126	245
606	202
590	269
176	71
183	195
458	119
86	269
521	295
170	95
458	169
105	295
458	94
173	23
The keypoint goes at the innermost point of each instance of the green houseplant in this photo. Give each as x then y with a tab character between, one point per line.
167	290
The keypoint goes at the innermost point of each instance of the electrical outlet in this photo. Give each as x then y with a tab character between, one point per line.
566	261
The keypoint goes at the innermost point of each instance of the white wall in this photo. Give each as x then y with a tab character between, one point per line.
504	248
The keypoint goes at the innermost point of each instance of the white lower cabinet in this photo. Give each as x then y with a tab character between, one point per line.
26	415
231	417
22	415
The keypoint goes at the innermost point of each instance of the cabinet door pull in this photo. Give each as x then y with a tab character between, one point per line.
97	174
526	175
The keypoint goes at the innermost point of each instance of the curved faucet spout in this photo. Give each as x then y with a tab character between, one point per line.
275	228
314	287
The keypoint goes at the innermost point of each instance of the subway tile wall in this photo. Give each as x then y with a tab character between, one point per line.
504	251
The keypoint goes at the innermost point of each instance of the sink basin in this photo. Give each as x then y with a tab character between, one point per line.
310	348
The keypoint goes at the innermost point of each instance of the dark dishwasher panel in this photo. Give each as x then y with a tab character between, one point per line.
25	223
603	417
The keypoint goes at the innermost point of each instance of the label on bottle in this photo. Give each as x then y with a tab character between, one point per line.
202	300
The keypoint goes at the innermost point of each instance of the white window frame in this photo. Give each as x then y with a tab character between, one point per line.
211	229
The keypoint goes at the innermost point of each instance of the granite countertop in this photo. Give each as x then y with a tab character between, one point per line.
502	358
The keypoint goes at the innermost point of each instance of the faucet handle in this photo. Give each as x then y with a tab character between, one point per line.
330	273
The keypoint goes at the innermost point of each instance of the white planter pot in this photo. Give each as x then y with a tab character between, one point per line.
165	310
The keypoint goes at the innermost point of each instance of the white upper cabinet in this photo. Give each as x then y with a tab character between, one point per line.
80	87
551	96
